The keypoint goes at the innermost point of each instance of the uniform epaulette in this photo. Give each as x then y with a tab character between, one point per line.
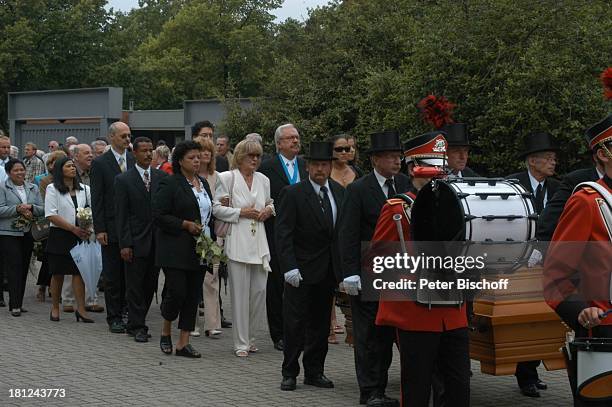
395	201
589	190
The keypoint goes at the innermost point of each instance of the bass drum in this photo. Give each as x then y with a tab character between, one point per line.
492	216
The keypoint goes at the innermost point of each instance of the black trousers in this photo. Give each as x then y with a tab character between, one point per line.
306	312
180	299
114	282
373	347
17	251
274	300
526	373
421	353
141	277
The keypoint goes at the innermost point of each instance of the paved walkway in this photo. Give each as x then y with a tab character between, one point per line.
97	368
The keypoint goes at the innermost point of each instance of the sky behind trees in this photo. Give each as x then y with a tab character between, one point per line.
297	9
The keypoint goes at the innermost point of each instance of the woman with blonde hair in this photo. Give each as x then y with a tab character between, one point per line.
210	294
246	245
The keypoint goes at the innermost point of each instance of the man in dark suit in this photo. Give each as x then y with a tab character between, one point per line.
104	169
133	191
458	150
306	234
547	222
284	168
364	200
541	159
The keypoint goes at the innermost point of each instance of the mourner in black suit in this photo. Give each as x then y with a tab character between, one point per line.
541	159
549	217
182	208
133	190
363	202
104	169
458	138
306	235
284	168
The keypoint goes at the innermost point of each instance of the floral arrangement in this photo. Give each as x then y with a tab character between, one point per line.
84	218
208	250
21	222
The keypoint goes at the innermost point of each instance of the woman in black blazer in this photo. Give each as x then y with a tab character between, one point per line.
182	208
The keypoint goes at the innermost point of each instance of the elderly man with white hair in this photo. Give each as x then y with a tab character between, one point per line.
283	168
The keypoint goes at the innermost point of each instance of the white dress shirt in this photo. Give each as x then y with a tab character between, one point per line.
381	182
317	189
141	172
118	156
3	174
290	165
534	187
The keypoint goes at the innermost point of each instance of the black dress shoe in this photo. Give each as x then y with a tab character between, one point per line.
117	327
141	336
319	381
279	345
530	391
378	400
540	385
225	323
288	383
165	344
188	351
363	399
16	313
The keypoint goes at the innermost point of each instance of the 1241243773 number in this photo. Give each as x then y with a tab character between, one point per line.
37	393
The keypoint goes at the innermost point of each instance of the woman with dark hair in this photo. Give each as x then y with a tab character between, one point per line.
182	209
20	204
62	199
343	172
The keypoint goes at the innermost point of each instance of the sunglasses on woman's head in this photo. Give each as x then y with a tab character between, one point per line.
342	149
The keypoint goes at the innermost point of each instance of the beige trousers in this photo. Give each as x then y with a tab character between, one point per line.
248	291
212	310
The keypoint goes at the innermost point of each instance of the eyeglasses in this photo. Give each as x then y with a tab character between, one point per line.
342	149
254	156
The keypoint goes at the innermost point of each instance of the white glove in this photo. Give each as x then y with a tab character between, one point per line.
352	285
293	277
535	258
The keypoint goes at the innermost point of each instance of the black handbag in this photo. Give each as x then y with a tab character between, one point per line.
40	229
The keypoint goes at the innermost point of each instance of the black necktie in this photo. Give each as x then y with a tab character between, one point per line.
539	199
326	205
391	188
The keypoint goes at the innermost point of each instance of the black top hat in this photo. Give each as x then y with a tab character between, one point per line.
321	151
537	142
600	132
457	134
385	141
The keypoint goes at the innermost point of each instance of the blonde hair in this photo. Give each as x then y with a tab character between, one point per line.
244	148
207	145
53	157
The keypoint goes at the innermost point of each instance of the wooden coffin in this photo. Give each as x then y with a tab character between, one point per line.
516	325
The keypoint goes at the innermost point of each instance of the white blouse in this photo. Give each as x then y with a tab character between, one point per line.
246	242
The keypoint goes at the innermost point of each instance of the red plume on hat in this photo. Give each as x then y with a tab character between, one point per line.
606	79
436	111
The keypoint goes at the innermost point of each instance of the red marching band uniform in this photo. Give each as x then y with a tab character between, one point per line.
417	324
578	274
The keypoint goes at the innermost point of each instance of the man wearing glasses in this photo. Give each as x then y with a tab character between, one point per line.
283	168
540	157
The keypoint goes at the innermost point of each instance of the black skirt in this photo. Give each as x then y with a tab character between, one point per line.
59	243
61	264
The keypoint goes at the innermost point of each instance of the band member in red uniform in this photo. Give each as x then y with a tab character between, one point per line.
578	277
427	336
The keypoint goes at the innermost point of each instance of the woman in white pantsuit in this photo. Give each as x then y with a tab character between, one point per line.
246	245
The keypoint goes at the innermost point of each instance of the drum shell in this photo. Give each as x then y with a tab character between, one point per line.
591	364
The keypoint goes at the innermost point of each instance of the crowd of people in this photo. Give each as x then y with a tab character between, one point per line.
291	227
